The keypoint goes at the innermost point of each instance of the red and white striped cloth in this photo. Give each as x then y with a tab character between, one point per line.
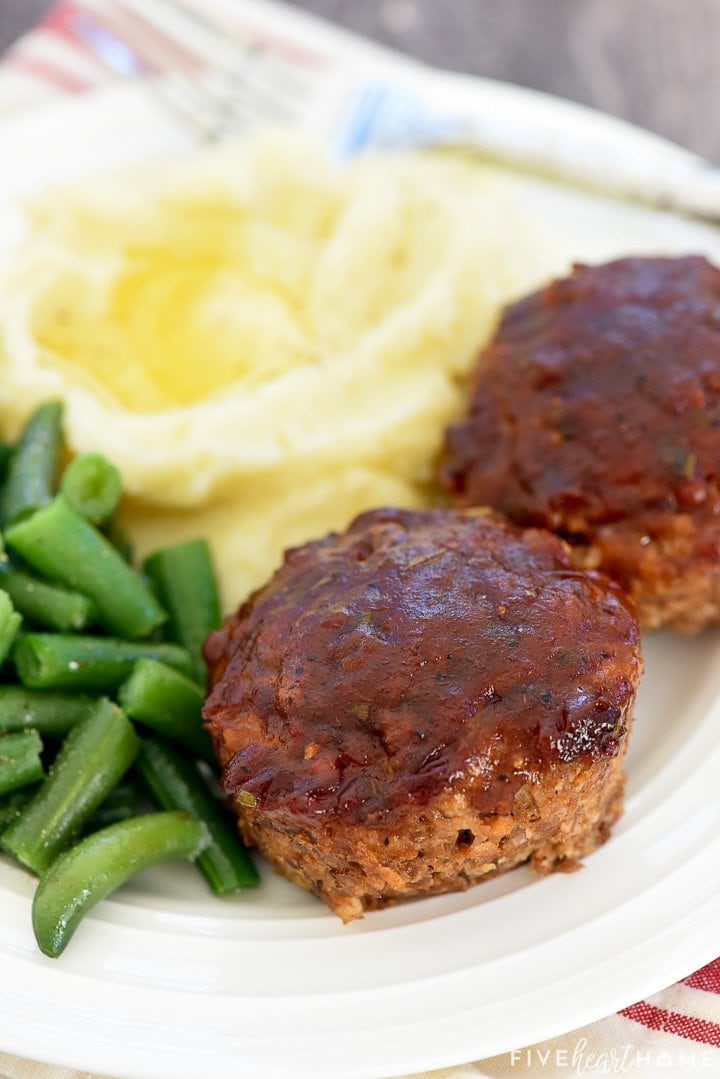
674	1033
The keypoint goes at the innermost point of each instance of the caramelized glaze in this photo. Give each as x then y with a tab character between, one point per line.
413	653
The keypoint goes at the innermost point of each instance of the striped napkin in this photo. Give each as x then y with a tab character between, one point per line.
674	1033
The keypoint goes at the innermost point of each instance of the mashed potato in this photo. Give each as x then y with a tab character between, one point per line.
264	343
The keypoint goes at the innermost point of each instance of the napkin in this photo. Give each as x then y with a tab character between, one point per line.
673	1033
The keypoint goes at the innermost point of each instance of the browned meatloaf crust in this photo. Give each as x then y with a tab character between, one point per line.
425	700
595	412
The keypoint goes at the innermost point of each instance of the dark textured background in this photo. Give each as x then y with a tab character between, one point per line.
655	62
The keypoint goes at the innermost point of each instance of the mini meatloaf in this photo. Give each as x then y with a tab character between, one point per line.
424	701
595	412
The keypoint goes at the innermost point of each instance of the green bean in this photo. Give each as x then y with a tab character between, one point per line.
93	758
62	545
101	863
10	622
170	703
74	661
33	466
45	603
175	783
185	581
20	762
91	485
53	715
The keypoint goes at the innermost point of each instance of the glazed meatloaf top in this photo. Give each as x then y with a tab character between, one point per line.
417	651
598	401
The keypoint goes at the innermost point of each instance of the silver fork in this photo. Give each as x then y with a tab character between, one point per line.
214	83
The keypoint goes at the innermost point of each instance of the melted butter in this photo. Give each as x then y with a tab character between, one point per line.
213	302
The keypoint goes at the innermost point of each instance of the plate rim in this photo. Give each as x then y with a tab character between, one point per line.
33	972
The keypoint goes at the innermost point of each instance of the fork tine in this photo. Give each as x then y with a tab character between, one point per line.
247	63
213	84
235	89
181	95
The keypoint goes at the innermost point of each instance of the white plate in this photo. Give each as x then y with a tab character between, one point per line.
163	980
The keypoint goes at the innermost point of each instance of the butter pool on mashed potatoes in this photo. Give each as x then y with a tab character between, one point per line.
264	342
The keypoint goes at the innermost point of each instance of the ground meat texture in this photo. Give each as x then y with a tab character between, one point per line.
428	699
595	412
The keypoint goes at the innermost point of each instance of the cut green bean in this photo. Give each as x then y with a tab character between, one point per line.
91	485
169	703
62	545
74	661
52	714
101	863
185	582
45	603
10	622
175	783
92	759
32	469
20	761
